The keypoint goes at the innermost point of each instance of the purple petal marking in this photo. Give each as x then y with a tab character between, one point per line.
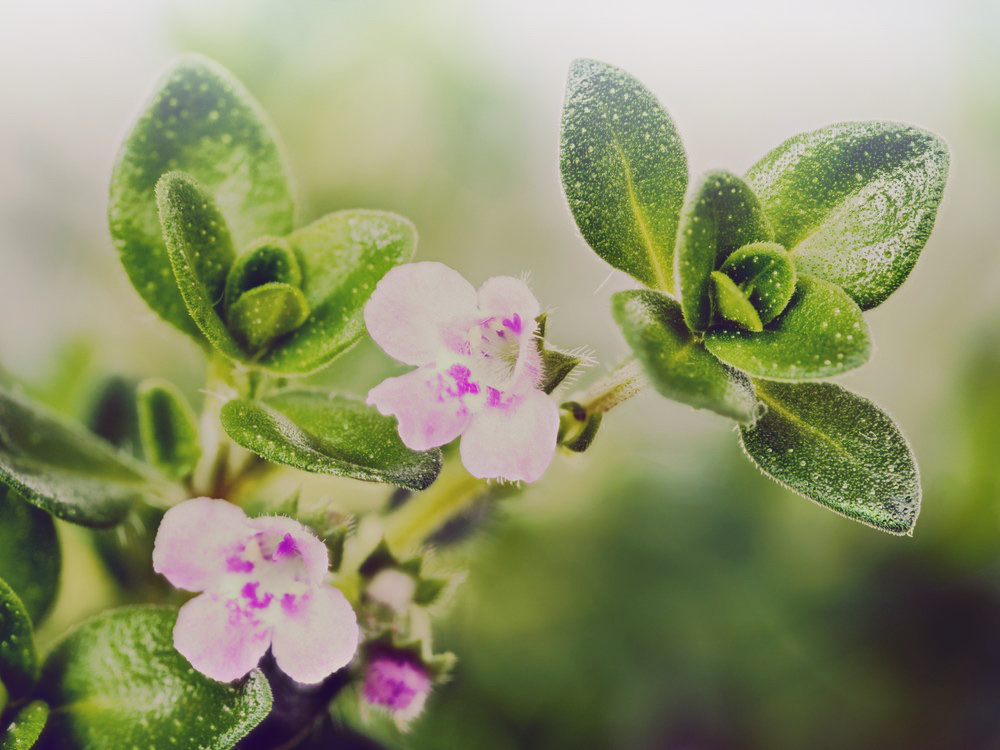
460	375
394	682
289	605
236	564
249	592
286	547
514	324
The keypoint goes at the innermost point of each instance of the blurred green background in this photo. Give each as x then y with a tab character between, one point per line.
656	593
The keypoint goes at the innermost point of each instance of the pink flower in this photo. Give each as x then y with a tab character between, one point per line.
398	683
478	372
264	584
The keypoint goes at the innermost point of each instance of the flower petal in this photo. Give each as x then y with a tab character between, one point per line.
514	443
428	415
220	641
505	296
317	637
195	539
296	539
417	309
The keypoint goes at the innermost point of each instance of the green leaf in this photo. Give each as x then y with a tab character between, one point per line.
343	255
329	434
30	555
18	662
65	470
721	214
23	732
854	202
820	334
200	253
731	304
116	682
200	120
766	274
624	171
838	449
264	313
270	259
677	363
556	365
168	429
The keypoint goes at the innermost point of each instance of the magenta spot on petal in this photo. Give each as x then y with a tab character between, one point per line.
249	592
289	605
492	397
460	375
514	324
286	547
236	564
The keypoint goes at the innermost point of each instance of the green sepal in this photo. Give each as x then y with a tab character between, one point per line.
67	471
202	121
834	447
30	555
720	215
556	365
168	428
329	434
117	682
18	661
342	255
766	274
676	361
731	304
266	312
429	590
23	732
854	202
821	333
268	260
577	428
438	666
624	171
200	251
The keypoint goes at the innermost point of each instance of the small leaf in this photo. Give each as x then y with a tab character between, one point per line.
18	662
720	215
624	171
116	682
266	312
329	434
556	365
731	304
65	470
838	449
200	252
766	274
343	255
168	429
200	120
675	361
269	259
854	202
30	555
23	732
820	334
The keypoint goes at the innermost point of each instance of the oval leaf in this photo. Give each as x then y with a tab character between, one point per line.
23	732
854	202
30	555
264	313
65	470
766	274
168	429
721	214
675	361
270	259
838	449
200	253
117	682
820	334
18	662
624	171
732	305
343	255
202	121
329	434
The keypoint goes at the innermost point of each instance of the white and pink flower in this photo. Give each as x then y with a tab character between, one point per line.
478	369
397	683
265	585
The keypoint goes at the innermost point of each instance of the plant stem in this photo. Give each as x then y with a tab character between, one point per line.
617	388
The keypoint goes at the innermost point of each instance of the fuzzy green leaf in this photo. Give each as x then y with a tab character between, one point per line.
23	732
329	434
343	256
202	121
838	449
624	171
266	312
65	470
820	334
854	202
18	662
677	364
270	259
30	555
116	682
200	253
732	305
720	215
766	274
168	429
